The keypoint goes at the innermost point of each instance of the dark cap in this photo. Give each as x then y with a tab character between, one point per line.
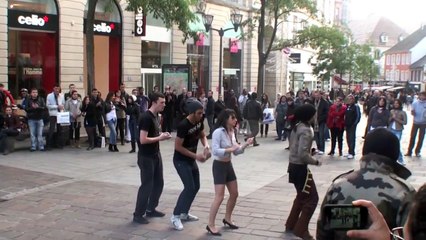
192	105
381	141
304	112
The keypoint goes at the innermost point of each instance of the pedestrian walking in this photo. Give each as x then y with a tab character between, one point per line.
253	113
306	200
120	108
398	118
224	144
189	132
150	162
280	113
418	110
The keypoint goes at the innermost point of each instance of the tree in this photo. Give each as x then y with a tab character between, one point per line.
276	12
178	13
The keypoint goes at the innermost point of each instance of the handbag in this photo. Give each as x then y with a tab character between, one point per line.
63	118
268	116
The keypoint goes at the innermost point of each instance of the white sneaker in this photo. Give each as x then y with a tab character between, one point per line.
350	156
320	153
188	217
177	224
346	155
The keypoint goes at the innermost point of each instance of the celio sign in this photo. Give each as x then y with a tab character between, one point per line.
105	28
29	20
140	23
33	20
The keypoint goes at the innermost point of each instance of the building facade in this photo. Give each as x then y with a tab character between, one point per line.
43	45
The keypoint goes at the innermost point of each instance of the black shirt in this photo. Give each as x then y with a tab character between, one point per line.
190	134
149	123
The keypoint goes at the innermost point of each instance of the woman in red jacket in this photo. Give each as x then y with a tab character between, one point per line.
336	124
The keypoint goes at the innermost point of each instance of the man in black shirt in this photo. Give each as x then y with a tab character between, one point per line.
150	162
189	131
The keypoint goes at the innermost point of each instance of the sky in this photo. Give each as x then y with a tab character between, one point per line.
409	14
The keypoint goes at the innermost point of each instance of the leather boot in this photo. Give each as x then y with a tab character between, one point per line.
115	148
133	147
110	148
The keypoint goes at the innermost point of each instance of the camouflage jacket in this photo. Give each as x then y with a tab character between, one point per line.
380	180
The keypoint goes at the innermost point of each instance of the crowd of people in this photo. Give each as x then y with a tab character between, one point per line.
302	118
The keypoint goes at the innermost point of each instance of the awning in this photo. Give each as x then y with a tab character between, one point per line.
395	88
339	80
231	33
197	25
381	88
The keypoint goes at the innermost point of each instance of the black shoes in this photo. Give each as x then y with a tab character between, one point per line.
155	213
132	151
211	232
140	220
230	225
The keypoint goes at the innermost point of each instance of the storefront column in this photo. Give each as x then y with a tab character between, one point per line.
3	43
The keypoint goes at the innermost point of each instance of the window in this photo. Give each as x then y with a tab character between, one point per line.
384	38
398	59
36	6
408	60
397	77
387	60
377	54
393	59
155	54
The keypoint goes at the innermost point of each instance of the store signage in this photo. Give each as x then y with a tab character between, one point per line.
33	71
140	23
105	28
29	20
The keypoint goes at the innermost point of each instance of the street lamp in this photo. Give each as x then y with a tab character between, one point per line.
236	19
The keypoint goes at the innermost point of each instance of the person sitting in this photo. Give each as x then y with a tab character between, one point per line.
414	228
10	129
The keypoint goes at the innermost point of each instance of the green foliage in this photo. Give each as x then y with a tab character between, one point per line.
177	12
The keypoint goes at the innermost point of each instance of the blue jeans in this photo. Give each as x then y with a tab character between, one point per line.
36	132
133	128
398	134
320	137
190	176
112	132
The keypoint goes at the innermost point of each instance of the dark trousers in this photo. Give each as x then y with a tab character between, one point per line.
350	139
121	125
75	130
414	129
91	132
266	129
306	200
336	136
167	125
254	128
51	136
280	129
151	171
210	123
101	126
190	176
320	137
134	132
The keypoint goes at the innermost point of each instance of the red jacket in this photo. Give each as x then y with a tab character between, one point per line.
7	95
336	118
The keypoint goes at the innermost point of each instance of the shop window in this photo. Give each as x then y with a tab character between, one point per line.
106	10
155	54
198	58
36	6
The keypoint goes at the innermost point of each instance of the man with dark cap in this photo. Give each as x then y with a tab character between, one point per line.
189	131
380	179
306	200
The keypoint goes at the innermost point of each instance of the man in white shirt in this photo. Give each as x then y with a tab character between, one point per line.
55	103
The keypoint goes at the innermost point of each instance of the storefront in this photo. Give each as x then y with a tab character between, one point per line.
198	57
232	65
108	33
33	27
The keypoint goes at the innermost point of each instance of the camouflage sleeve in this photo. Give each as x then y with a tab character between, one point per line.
322	233
404	208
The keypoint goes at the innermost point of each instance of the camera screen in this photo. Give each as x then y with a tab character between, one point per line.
345	218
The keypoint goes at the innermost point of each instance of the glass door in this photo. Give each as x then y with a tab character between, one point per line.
150	80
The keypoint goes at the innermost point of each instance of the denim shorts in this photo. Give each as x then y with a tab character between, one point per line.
223	172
